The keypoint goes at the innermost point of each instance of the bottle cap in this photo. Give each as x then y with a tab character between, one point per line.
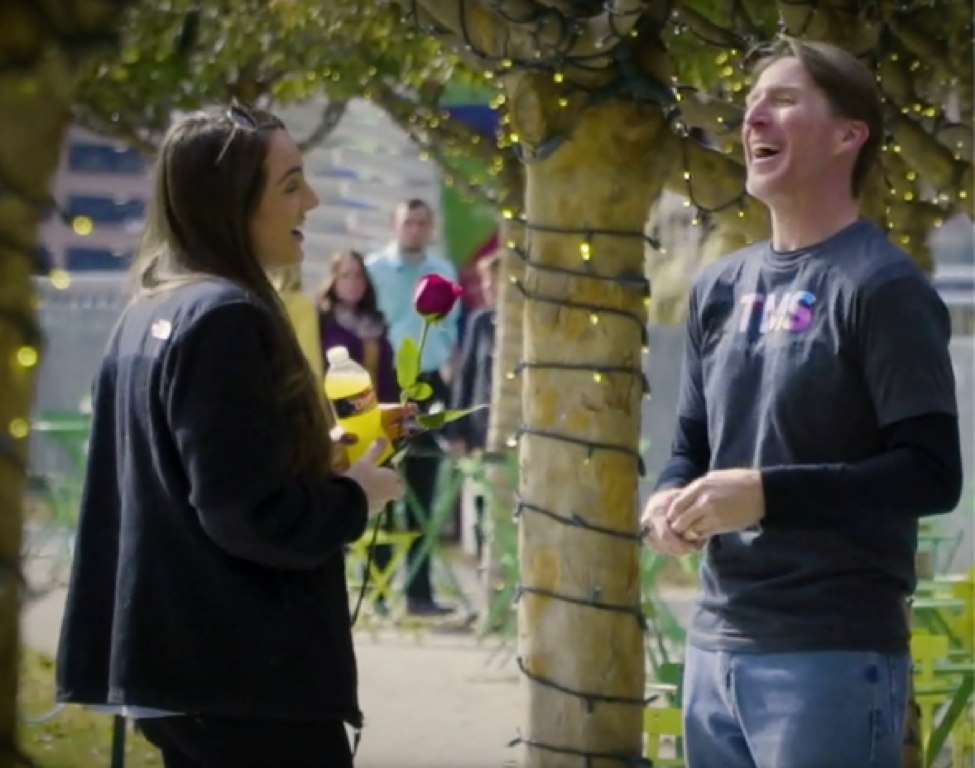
337	356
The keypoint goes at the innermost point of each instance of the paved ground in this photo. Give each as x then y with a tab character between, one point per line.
430	700
442	700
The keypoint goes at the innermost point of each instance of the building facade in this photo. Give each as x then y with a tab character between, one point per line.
101	188
365	167
360	172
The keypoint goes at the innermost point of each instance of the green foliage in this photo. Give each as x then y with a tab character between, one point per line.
407	363
408	371
418	391
432	420
179	55
710	37
77	736
438	419
260	52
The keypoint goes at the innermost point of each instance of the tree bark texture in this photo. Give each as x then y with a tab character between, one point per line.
36	84
604	177
34	104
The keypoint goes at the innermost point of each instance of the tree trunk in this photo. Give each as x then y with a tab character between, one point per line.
575	656
36	86
505	409
36	107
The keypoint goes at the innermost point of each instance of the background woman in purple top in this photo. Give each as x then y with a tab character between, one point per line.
349	317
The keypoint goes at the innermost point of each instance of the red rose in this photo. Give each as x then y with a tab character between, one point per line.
435	296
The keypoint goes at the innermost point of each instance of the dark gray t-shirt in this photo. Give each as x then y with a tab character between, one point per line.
801	359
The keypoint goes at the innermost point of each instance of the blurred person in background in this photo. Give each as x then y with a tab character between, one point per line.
302	313
395	272
207	597
472	384
348	316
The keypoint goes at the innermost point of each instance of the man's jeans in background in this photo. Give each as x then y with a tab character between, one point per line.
836	709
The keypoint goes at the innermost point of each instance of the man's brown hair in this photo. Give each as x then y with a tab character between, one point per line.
414	204
847	83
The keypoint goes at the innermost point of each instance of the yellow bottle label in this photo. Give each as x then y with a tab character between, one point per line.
356	409
355	405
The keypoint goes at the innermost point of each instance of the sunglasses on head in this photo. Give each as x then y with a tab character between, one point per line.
242	118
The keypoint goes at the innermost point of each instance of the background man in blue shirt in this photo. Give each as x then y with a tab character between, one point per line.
395	271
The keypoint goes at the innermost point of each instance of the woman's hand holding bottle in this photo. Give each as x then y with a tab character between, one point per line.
381	485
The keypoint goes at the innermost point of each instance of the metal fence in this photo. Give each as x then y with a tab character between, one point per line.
78	320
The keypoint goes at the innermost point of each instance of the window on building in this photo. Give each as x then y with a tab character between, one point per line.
104	159
106	210
96	260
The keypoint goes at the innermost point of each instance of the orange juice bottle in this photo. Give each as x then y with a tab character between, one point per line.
348	386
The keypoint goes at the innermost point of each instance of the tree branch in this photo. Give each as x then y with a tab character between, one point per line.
332	115
896	81
466	186
523	28
535	26
899	84
912	224
743	20
720	118
715	183
842	24
115	129
436	136
913	39
605	31
708	31
410	114
911	32
796	16
431	91
523	12
932	160
958	139
465	23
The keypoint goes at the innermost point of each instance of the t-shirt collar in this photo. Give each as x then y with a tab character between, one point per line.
396	256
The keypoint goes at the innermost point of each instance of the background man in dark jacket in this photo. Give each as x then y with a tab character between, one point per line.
472	385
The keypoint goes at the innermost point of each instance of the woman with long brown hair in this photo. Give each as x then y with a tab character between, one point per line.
208	597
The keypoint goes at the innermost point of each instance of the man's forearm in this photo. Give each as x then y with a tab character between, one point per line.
919	473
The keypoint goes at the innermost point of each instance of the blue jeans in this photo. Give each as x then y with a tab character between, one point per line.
836	709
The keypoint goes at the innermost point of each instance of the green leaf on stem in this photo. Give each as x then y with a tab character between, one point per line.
437	420
407	364
431	420
418	391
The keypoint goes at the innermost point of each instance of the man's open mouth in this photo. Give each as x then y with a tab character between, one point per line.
764	151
